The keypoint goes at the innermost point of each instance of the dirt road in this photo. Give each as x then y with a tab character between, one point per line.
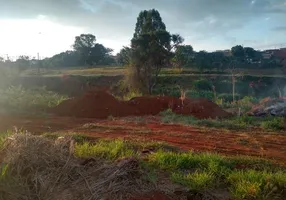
262	144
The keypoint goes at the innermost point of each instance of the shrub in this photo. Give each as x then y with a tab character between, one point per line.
253	184
167	90
228	97
18	99
131	95
202	84
274	124
200	94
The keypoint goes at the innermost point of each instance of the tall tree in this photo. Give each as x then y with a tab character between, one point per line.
23	62
249	52
99	54
124	56
91	53
151	49
84	44
203	60
183	55
219	60
237	51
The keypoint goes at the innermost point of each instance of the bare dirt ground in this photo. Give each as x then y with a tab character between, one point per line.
255	143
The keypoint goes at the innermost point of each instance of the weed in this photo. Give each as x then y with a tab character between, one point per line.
252	184
241	122
131	95
18	99
3	137
52	136
274	124
195	181
79	138
173	160
110	150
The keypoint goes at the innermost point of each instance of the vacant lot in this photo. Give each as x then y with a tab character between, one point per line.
259	143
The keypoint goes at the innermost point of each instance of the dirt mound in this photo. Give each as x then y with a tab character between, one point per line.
101	104
201	108
97	104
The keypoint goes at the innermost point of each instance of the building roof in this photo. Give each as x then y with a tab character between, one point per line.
281	54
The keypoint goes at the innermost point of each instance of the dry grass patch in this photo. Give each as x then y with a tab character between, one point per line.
35	167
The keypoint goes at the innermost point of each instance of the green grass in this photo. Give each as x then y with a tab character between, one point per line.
275	124
234	123
17	99
112	150
258	179
79	71
201	171
251	184
195	181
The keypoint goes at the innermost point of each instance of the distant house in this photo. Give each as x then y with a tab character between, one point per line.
281	54
268	54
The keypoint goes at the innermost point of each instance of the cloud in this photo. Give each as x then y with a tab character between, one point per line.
195	20
280	28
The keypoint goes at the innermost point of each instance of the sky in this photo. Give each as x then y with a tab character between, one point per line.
49	27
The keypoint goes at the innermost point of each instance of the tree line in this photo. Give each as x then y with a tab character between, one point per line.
86	52
152	48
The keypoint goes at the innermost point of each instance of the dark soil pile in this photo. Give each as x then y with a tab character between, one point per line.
97	104
201	108
100	104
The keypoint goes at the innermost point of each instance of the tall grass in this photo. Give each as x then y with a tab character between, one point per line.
240	122
109	150
19	99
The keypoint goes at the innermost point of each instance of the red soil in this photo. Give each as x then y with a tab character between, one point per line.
100	104
259	143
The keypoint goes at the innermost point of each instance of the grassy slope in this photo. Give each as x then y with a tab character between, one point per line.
117	70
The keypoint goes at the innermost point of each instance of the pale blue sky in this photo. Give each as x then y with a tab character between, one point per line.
205	24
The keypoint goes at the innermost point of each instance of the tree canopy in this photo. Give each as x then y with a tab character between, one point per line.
237	51
184	55
91	53
124	56
151	48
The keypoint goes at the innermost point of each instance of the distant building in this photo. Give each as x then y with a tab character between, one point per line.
268	54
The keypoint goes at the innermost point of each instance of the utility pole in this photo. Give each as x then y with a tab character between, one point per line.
38	58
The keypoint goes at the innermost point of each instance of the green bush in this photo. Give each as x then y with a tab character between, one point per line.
200	94
228	97
18	99
274	124
167	90
251	184
202	84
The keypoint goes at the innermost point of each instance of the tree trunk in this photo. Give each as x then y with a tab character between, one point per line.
233	88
